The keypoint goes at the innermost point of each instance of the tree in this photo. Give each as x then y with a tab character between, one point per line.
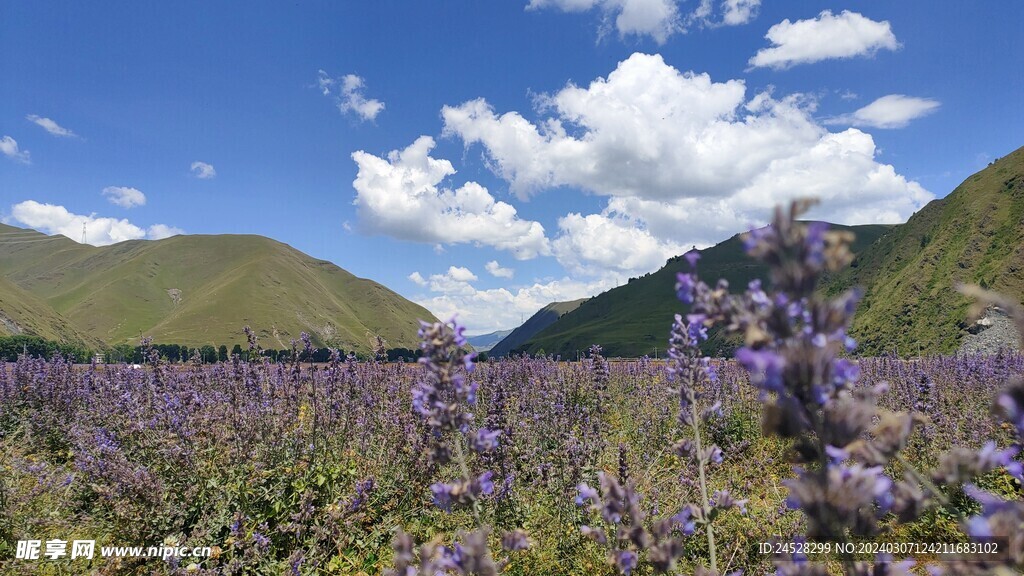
222	353
209	353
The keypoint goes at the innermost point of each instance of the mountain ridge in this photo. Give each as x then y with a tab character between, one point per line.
203	289
634	319
973	235
534	324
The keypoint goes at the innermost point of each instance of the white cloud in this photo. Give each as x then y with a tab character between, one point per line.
737	12
54	219
51	126
202	170
325	82
497	271
461	274
161	231
9	147
483	311
658	19
892	111
124	196
828	36
601	243
348	92
399	196
685	160
417	279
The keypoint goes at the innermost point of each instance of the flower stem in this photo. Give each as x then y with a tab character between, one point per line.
704	487
460	458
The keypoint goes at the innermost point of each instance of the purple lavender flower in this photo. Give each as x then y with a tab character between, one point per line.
765	368
586	495
484	440
685	286
514	540
692	257
626	561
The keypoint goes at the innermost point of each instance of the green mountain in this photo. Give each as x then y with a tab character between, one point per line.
634	319
23	313
534	324
485	342
200	289
973	235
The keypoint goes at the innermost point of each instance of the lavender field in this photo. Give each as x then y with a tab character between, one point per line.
286	466
529	466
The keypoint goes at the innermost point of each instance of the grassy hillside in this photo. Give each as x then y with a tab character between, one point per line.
634	320
485	342
23	313
199	289
973	235
534	324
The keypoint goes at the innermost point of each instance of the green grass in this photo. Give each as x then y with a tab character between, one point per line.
23	313
633	319
974	235
541	319
119	293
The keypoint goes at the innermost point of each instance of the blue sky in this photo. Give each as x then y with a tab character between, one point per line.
545	149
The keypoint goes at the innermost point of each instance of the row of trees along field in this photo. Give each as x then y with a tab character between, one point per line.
13	346
209	354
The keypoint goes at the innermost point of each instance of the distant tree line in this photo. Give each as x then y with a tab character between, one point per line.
13	346
208	354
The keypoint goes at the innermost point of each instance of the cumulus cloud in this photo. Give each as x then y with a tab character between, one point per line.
664	145
483	311
737	12
124	196
683	159
598	244
417	279
161	231
828	36
9	148
495	269
348	95
100	231
461	274
51	126
400	196
658	19
202	170
892	111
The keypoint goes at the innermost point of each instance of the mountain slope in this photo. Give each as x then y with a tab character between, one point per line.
534	324
634	319
973	235
485	342
23	313
200	289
